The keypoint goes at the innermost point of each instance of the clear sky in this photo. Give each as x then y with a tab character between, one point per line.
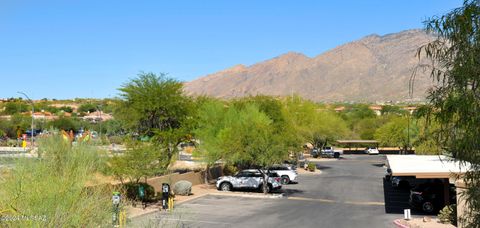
89	48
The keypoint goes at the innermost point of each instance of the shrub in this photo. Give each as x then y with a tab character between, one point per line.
52	192
448	214
311	166
229	170
183	188
116	139
131	191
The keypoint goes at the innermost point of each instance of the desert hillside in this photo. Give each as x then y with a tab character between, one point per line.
372	69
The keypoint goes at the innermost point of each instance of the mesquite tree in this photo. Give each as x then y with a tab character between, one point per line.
454	64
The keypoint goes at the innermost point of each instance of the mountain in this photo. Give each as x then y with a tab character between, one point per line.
372	69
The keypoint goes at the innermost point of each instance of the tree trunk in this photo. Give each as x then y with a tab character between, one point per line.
207	171
265	181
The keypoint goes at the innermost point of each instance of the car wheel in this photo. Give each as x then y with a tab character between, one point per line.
427	207
285	180
269	188
226	187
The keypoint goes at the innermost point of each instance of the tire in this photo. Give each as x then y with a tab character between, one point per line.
285	179
269	188
226	187
428	207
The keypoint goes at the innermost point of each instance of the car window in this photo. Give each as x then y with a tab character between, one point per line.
257	174
273	175
241	174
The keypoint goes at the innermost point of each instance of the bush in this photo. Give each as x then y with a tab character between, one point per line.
52	191
115	139
311	167
183	188
131	191
448	214
229	170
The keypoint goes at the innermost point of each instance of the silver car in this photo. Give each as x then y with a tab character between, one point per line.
248	179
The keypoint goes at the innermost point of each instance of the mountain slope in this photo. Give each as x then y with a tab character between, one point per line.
374	68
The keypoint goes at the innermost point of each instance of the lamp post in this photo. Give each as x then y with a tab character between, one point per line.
33	111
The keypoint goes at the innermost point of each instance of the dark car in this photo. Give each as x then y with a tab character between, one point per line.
429	197
35	132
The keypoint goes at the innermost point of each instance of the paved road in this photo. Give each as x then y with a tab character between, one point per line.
349	193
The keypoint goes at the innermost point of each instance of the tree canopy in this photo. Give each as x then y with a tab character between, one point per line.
454	64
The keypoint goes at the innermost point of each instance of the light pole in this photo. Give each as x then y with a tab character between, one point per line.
33	111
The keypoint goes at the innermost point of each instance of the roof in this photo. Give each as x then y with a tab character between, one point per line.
424	166
357	141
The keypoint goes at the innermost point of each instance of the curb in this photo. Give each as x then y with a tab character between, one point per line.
398	224
273	196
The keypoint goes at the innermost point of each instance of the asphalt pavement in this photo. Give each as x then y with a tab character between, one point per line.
349	193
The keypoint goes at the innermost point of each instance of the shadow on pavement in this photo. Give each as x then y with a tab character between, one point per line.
322	167
396	200
379	164
289	192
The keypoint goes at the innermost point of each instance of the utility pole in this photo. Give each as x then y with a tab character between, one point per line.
33	111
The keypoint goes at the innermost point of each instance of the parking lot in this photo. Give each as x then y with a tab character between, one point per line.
349	193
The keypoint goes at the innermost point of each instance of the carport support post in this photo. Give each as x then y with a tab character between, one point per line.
446	192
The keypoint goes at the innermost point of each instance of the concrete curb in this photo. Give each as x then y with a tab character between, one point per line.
398	224
273	196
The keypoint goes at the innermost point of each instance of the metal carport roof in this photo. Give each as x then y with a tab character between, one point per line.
424	166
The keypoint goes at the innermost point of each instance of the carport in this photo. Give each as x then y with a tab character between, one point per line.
356	142
427	167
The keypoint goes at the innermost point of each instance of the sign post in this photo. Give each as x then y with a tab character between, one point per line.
116	209
165	195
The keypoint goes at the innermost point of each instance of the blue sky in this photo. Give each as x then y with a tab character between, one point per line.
89	48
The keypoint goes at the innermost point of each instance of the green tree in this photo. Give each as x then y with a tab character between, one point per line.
141	160
87	107
15	107
400	132
242	136
156	107
315	126
454	64
393	109
64	123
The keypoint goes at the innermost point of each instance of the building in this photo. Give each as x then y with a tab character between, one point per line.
376	109
97	116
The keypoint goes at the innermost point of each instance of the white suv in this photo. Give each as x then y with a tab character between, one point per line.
248	179
287	173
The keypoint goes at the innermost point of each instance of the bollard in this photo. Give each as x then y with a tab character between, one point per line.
407	214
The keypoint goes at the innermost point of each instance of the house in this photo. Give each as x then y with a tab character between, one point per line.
97	116
376	109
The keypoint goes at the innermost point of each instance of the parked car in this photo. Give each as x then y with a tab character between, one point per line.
429	197
388	174
315	153
36	132
372	150
406	182
288	173
248	179
327	151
